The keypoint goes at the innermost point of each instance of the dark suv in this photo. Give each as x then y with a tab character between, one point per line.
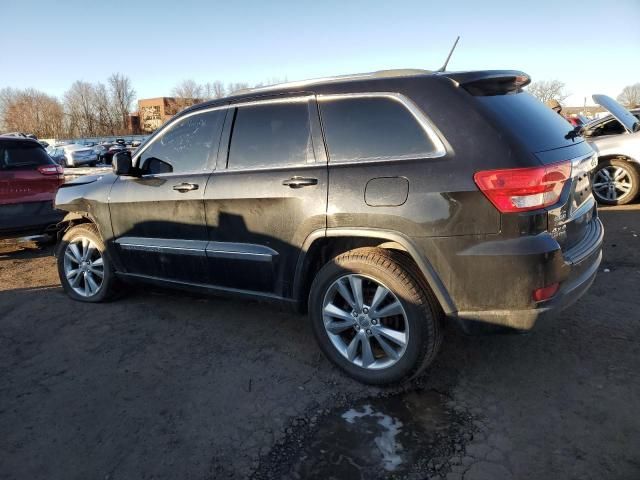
383	203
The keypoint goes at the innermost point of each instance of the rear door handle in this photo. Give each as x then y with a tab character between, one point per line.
185	187
299	182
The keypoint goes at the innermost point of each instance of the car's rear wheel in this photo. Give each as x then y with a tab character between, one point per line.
84	266
374	317
615	182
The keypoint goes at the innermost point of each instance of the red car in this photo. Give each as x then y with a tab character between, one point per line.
29	180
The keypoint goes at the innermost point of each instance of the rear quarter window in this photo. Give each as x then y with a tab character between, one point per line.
16	155
533	124
372	128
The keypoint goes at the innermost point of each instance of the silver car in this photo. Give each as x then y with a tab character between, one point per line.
616	139
73	155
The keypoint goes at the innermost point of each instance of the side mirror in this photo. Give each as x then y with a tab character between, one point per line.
121	163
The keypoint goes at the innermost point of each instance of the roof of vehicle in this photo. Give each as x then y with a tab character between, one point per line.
336	83
19	134
12	138
74	146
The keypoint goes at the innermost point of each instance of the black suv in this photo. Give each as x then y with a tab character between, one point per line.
383	203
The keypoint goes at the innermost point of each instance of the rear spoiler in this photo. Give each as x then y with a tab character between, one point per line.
489	82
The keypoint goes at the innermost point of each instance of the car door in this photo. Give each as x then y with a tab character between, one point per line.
158	217
267	195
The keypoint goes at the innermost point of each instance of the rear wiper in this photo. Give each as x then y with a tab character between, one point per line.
575	132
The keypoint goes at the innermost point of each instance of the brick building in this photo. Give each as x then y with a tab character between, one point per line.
153	112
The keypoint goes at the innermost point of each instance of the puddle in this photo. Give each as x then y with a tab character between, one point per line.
380	438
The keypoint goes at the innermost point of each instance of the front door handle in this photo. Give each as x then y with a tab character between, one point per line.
185	187
299	182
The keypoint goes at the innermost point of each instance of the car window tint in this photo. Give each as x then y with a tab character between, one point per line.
274	134
372	128
186	145
22	155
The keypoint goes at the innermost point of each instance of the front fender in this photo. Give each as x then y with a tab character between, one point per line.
87	199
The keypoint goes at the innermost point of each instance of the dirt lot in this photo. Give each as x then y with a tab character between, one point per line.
165	386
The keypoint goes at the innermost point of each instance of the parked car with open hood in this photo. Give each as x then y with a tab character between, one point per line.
383	204
616	139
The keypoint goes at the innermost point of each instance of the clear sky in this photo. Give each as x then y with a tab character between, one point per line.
592	46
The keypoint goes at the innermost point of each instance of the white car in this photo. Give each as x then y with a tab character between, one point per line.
616	180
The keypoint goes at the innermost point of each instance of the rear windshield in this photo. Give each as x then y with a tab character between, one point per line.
533	123
14	156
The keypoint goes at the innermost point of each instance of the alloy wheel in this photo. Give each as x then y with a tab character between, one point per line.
612	183
365	321
83	266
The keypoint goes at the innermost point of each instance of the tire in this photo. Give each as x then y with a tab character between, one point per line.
610	192
420	316
70	259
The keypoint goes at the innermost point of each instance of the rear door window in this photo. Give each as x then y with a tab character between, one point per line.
271	135
372	128
18	155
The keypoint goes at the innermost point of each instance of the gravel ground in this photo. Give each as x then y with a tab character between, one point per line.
163	385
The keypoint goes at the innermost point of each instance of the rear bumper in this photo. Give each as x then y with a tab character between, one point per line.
33	218
76	162
569	293
579	269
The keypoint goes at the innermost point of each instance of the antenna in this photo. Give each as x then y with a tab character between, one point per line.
446	62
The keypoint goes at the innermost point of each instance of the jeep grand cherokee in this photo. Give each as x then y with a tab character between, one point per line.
383	203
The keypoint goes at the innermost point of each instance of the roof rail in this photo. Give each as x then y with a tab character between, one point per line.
401	72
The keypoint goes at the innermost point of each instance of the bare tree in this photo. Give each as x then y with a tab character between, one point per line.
96	109
108	116
271	81
186	93
546	90
630	96
218	89
79	102
31	111
122	97
7	95
235	87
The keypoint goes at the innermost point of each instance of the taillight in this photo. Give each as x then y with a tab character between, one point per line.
50	170
545	293
523	189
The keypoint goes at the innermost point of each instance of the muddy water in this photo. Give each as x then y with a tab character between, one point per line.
380	438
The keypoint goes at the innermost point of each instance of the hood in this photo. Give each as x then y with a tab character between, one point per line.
85	179
624	116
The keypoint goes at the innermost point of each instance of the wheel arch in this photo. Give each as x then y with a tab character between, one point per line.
620	156
72	219
321	246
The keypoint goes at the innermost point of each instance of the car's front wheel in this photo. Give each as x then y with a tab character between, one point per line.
615	182
84	267
374	317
